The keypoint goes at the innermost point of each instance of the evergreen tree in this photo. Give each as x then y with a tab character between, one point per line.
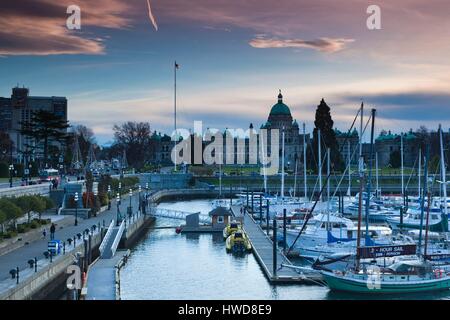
45	128
325	123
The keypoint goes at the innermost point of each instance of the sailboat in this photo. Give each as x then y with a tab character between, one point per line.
411	276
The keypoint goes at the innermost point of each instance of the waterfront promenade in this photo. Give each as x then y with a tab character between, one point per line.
19	257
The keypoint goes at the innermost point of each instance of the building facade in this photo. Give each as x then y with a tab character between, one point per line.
19	108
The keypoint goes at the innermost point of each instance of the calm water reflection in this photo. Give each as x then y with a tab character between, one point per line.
169	266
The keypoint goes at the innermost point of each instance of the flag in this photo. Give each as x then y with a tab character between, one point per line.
177	66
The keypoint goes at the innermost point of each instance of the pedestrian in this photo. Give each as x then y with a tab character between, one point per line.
44	232
52	231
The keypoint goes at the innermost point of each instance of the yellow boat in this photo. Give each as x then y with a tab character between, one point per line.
238	242
231	228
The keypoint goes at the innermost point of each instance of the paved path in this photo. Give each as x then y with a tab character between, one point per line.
19	257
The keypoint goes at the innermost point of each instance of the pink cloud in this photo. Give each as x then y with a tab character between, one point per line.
322	44
37	27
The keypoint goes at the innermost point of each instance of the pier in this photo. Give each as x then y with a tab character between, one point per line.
263	249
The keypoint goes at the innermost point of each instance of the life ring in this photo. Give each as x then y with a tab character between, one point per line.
438	273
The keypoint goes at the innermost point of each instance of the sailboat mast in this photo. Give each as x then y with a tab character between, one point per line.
401	158
328	189
376	174
422	207
295	176
320	162
282	166
263	163
419	172
370	175
304	161
349	192
444	182
361	132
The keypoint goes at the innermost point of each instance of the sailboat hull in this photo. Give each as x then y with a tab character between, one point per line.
342	283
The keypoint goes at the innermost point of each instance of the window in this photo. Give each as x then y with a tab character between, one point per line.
220	219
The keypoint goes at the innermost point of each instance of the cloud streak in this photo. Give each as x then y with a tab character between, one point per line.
151	16
329	45
37	27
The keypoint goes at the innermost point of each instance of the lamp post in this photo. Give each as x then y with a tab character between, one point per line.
118	209
11	170
130	209
139	199
76	208
95	201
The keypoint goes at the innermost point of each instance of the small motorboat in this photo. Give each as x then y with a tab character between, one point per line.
231	228
238	243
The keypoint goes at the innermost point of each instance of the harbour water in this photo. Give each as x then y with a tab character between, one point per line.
167	266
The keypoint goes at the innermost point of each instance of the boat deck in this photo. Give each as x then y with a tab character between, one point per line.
262	247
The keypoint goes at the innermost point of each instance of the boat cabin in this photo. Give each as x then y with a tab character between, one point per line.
413	267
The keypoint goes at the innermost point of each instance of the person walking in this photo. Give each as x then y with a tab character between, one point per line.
52	231
44	232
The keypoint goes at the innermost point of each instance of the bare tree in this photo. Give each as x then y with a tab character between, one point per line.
134	137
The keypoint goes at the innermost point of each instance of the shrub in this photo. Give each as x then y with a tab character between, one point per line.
34	224
22	228
9	234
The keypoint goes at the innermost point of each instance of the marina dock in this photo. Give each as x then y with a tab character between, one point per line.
262	247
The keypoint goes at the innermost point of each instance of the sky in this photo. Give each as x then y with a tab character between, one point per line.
234	56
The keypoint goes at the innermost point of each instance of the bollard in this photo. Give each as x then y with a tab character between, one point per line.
267	217
64	247
284	230
74	241
51	256
17	275
35	264
274	247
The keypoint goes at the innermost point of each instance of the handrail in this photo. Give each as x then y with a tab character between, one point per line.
117	239
106	238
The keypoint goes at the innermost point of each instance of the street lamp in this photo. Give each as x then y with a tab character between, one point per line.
118	209
139	199
11	170
130	209
76	208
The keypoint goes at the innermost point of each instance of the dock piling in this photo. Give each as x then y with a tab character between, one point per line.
267	217
260	210
274	247
284	230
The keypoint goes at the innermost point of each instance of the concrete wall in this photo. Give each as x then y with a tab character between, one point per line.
38	189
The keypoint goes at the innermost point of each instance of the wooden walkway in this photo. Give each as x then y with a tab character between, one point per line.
262	247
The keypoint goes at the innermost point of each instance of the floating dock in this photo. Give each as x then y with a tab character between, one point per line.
262	247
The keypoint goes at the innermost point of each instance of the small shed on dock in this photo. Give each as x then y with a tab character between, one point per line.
220	217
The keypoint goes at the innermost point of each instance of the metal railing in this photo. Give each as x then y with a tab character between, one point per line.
117	239
106	238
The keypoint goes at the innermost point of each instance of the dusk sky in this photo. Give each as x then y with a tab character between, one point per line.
233	56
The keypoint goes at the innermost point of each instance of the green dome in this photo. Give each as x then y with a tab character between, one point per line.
280	108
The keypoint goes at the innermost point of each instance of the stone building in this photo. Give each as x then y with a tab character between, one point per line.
280	118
